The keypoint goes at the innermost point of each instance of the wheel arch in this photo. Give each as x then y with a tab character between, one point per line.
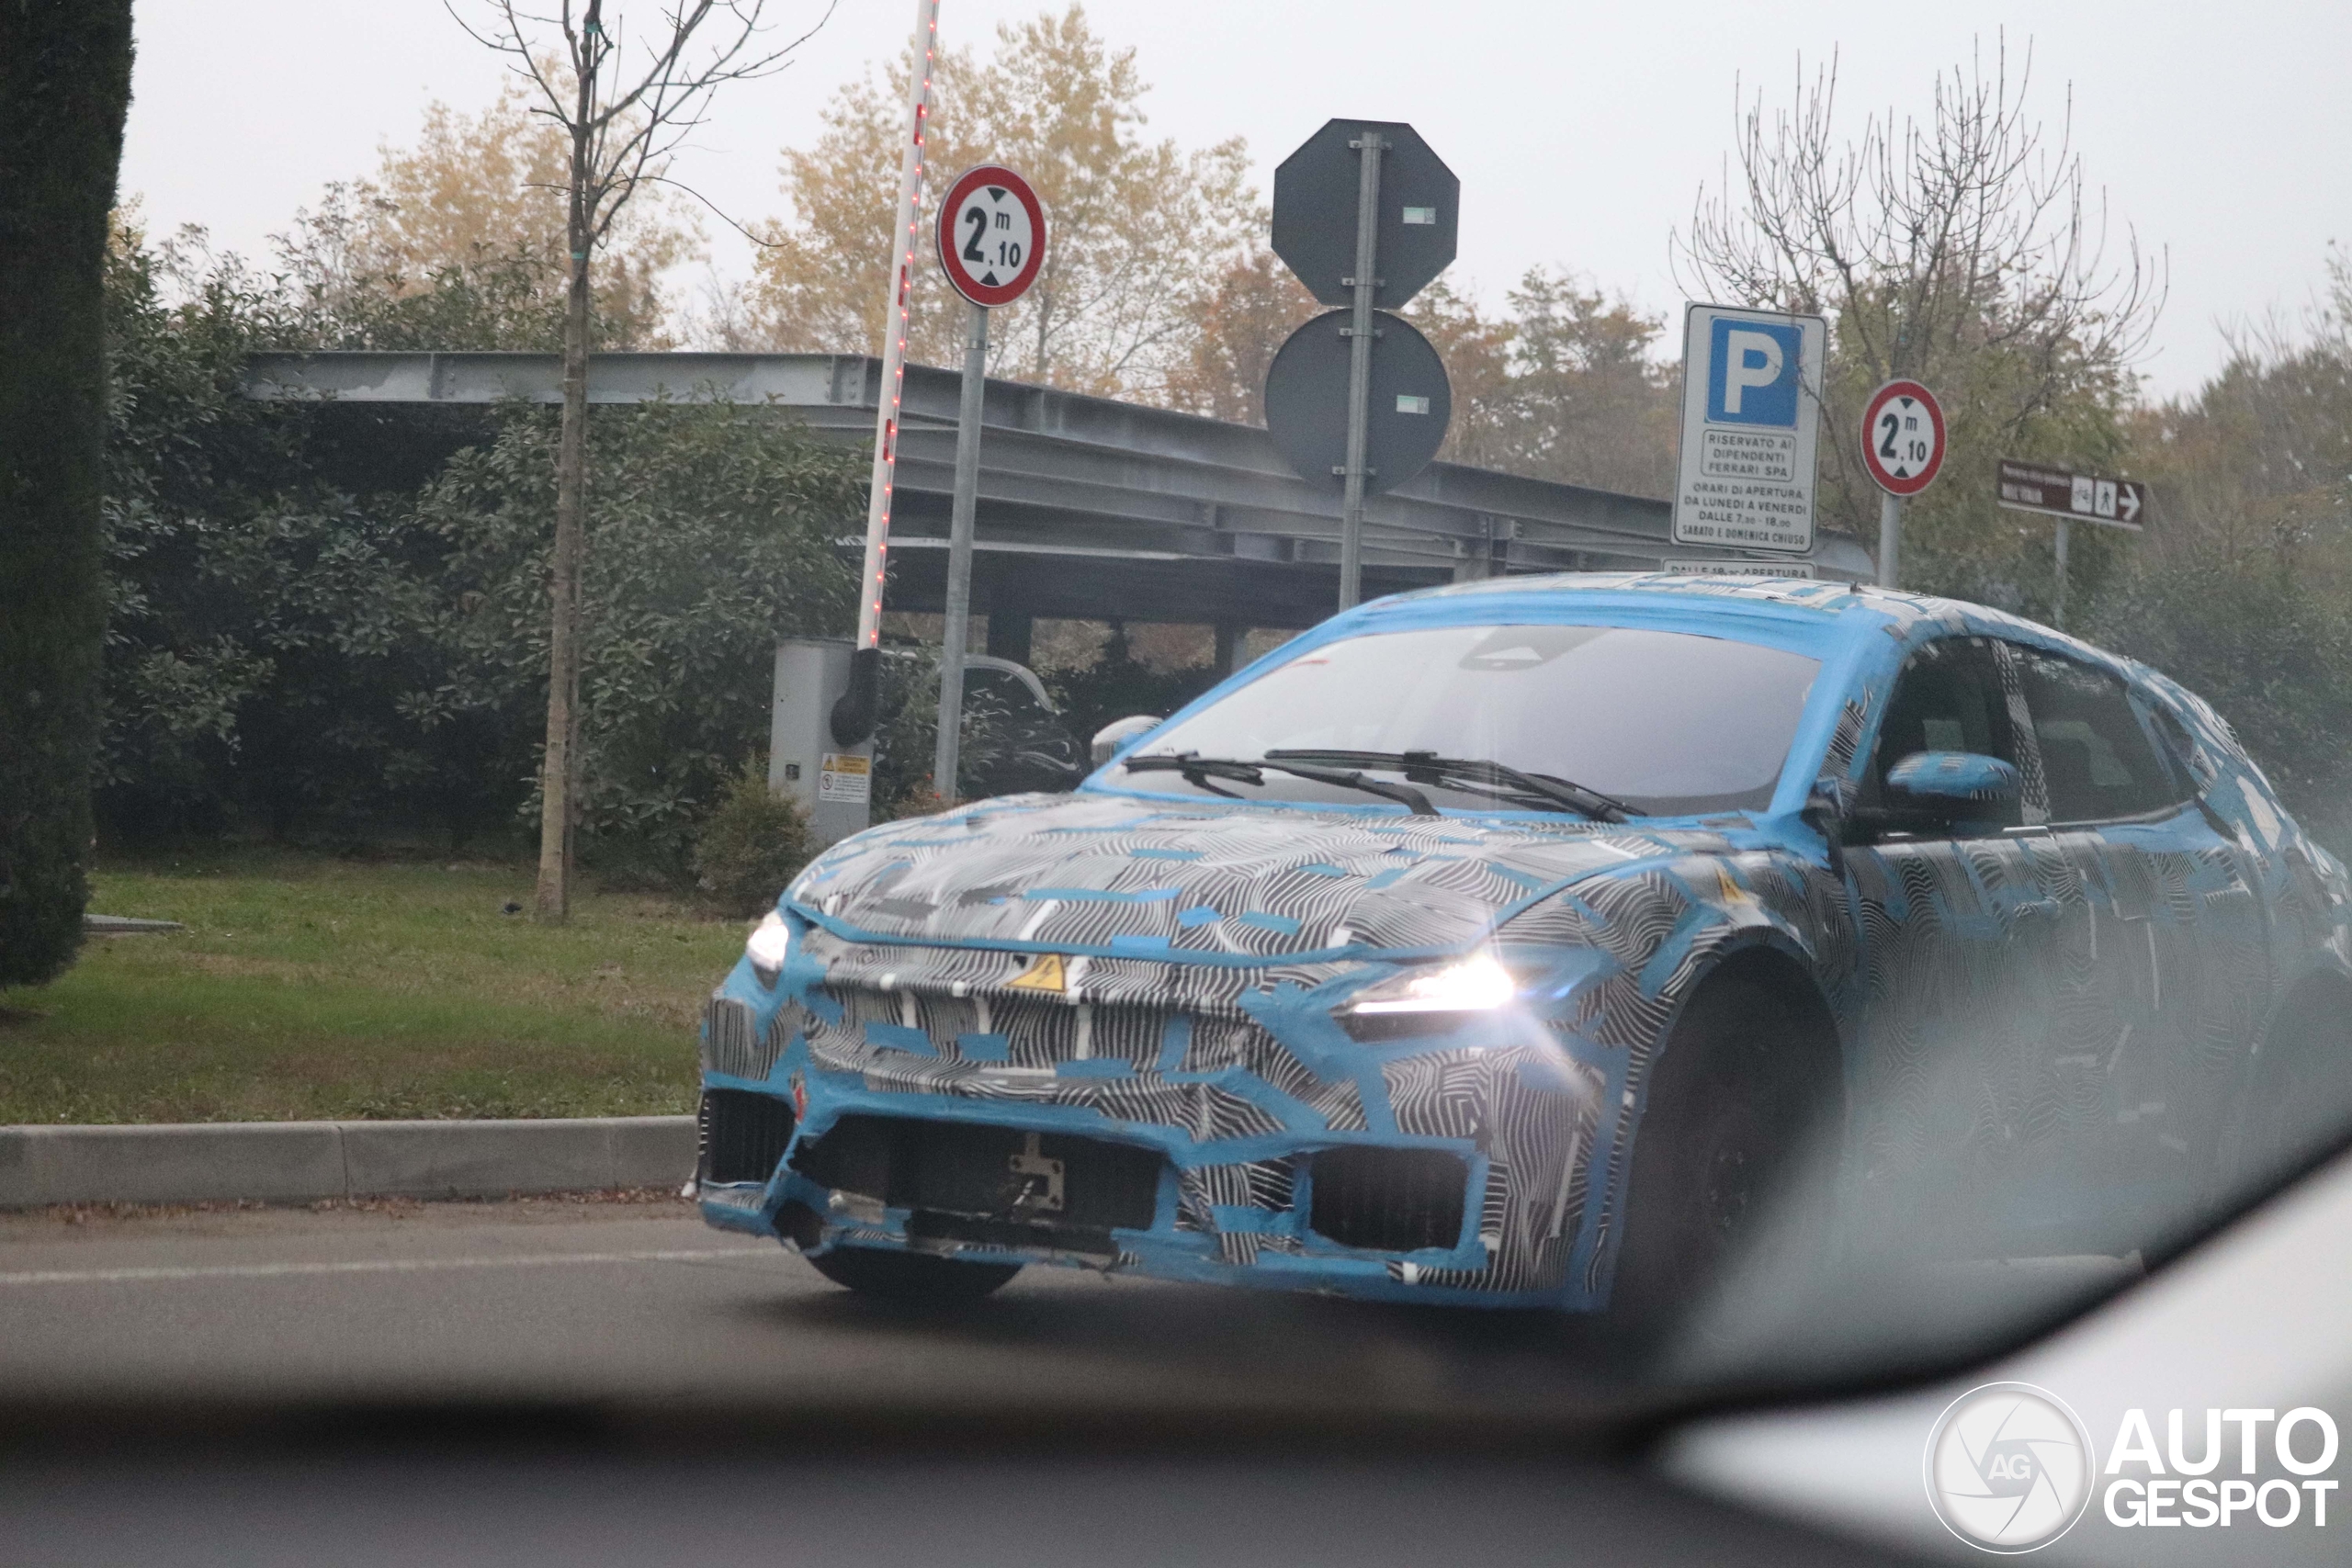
2323	991
2284	1122
1770	964
1770	960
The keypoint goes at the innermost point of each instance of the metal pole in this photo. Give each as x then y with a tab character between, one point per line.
894	330
1365	281
956	632
1890	536
2058	617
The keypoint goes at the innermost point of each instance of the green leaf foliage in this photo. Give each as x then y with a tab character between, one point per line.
751	844
324	626
710	534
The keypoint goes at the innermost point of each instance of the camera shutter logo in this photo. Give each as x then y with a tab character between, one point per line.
2008	1468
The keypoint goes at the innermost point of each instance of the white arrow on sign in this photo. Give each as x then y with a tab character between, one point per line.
2127	501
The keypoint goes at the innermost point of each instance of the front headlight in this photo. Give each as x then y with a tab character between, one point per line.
767	947
1405	1004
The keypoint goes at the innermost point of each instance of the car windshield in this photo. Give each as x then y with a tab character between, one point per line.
1668	722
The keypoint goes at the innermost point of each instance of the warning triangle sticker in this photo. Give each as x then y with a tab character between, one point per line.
1047	974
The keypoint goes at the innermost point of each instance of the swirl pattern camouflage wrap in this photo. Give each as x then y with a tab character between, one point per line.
1169	972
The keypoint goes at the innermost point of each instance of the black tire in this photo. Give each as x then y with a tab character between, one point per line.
912	1276
1723	1155
2300	1101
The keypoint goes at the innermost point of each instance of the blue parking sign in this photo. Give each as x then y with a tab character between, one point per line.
1751	417
1753	373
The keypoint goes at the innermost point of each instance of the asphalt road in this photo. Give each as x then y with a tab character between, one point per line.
639	1304
768	1414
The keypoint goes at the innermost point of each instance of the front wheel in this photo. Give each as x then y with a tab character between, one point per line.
912	1276
1719	1155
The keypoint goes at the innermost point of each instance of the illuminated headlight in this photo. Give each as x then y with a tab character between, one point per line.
1475	984
767	947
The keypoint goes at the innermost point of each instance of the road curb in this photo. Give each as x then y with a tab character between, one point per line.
304	1161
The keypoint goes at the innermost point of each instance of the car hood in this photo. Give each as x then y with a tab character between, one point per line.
1116	875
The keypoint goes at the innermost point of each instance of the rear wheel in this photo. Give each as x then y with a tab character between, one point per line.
912	1276
2301	1096
1721	1155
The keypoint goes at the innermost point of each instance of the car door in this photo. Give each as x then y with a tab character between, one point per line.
2152	1031
1960	936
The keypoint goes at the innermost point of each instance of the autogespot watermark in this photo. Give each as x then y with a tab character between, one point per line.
2010	1468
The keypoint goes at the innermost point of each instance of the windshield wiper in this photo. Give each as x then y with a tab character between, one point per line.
1491	777
1198	769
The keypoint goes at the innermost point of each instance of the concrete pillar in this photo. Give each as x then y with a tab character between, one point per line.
1228	647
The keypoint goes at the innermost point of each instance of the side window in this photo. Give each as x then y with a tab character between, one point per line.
998	692
1948	698
2097	759
2179	742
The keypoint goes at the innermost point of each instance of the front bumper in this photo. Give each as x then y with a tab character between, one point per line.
1256	1143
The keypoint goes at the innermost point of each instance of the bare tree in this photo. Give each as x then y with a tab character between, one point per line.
623	111
1964	252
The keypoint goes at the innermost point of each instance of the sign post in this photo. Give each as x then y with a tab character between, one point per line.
2066	495
854	714
1751	415
1903	449
1368	148
991	234
1364	213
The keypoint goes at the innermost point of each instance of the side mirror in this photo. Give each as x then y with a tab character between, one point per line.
1116	736
1951	785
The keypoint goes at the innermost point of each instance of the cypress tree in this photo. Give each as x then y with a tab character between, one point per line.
64	89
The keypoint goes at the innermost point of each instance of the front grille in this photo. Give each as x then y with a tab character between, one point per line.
1388	1200
1042	1031
742	1135
987	1173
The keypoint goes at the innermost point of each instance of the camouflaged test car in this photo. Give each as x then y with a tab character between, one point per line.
1522	941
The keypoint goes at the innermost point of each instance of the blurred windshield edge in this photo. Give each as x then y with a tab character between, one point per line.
2257	1316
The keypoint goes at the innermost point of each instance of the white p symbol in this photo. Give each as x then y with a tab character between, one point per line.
1738	374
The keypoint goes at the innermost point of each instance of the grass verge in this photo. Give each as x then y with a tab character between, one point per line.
313	987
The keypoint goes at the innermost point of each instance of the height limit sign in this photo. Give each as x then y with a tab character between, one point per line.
1751	412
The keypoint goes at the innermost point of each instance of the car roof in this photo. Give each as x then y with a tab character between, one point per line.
1824	603
1824	596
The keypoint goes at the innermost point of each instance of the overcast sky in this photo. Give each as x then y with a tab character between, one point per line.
1581	132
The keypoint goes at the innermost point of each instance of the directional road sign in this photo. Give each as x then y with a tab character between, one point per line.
1903	437
1315	212
1751	412
992	235
2061	492
1306	402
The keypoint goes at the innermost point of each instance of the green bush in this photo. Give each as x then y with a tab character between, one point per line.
710	530
2271	648
752	844
356	663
